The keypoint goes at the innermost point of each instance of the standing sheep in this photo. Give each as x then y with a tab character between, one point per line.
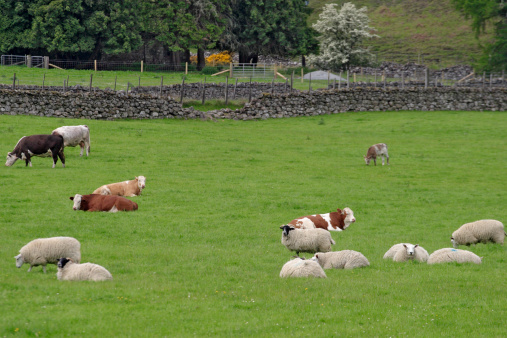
302	268
44	251
483	231
68	270
403	252
306	240
448	255
345	259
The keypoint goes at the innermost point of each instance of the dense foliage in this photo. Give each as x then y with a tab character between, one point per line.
488	11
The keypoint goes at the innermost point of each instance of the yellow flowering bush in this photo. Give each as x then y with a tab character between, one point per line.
222	58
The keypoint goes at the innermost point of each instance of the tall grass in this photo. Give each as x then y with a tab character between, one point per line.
202	254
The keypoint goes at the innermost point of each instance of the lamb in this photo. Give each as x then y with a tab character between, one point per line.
306	240
379	149
403	252
44	251
345	259
302	268
69	270
483	231
448	255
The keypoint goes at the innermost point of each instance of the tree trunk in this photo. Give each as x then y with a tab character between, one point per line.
303	61
201	61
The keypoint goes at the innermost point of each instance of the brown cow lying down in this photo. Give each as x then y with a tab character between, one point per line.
332	221
126	188
96	202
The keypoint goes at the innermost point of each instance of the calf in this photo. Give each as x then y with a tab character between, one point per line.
37	145
333	221
95	202
126	188
74	135
379	149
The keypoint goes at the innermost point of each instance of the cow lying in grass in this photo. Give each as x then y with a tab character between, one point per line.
37	145
95	202
127	188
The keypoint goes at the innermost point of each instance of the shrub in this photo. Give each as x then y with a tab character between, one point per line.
221	58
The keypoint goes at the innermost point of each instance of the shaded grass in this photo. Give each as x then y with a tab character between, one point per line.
202	254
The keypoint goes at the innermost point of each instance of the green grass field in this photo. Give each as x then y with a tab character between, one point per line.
202	255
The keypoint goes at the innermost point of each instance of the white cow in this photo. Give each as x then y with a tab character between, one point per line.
74	135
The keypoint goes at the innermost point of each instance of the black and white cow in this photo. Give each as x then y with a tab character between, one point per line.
37	145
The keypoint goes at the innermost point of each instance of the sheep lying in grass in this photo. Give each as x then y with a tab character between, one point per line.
44	251
345	259
302	268
448	255
403	252
68	270
483	231
306	240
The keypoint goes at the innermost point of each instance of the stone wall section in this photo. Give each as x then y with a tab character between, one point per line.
107	105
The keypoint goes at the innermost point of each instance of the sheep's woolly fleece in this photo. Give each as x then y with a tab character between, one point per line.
44	251
302	268
398	253
483	231
345	259
80	272
306	240
448	255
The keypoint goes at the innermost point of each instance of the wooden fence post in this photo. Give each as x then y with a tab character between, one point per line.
139	83
186	68
43	80
14	81
272	85
182	90
203	92
115	78
340	80
91	79
28	61
328	79
226	90
234	92
142	66
161	84
310	84
302	73
250	91
348	79
291	81
95	65
46	62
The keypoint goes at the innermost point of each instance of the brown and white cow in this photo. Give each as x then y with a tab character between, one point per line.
37	145
333	221
94	202
127	188
74	135
379	149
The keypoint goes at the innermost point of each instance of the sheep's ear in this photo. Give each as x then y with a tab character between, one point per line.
282	227
71	198
404	245
415	246
317	256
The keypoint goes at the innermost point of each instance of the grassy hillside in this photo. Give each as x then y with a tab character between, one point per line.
202	255
425	31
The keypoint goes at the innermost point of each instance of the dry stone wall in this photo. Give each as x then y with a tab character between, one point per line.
107	105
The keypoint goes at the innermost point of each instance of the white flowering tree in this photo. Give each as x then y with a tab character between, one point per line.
342	34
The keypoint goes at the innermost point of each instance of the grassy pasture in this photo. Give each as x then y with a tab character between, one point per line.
202	254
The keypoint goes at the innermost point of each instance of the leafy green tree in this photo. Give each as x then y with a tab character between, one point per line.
66	27
276	27
488	11
341	37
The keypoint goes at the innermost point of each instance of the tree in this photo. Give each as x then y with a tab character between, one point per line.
276	27
341	36
70	27
488	11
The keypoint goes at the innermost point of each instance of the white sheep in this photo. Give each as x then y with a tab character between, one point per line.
483	231
345	259
68	270
302	268
306	240
406	251
448	255
44	251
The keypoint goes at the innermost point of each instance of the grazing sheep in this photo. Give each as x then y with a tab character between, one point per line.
345	259
302	268
448	255
68	270
306	240
405	251
483	231
44	251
